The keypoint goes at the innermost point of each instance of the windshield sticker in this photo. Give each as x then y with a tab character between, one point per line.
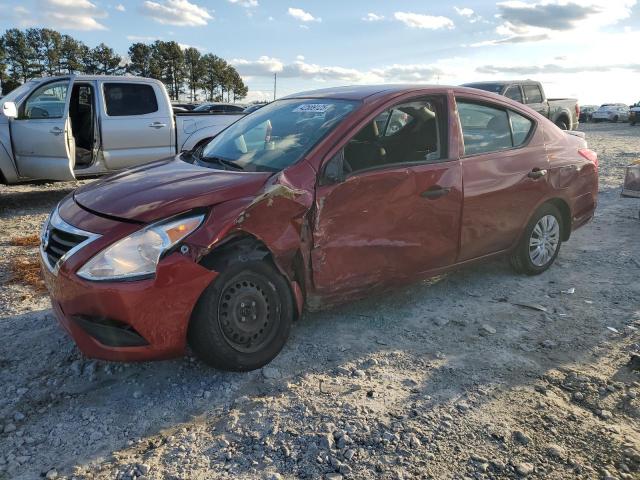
313	107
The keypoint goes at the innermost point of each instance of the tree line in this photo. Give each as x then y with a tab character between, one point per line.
35	52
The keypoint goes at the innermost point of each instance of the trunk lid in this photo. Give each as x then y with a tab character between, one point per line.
161	189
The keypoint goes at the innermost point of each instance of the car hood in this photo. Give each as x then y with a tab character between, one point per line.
168	187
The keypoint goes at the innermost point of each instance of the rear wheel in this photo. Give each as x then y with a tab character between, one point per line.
243	319
540	243
562	124
615	119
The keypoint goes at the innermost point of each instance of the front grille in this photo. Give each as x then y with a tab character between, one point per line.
61	242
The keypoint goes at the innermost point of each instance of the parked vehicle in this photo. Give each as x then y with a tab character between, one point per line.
219	108
187	106
254	107
586	111
611	112
564	112
310	201
61	128
634	114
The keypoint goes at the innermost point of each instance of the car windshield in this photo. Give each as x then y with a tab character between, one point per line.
277	135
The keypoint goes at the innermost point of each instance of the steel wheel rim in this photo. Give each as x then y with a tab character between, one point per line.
544	240
248	314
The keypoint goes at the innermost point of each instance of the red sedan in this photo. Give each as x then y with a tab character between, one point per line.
312	200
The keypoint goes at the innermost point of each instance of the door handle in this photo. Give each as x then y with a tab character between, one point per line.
536	173
435	192
56	130
157	125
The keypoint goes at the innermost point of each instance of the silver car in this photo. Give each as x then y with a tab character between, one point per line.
611	112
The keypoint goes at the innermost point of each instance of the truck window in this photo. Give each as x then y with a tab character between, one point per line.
48	101
532	93
514	93
125	99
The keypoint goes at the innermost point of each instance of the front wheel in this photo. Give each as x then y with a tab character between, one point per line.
615	119
242	320
540	243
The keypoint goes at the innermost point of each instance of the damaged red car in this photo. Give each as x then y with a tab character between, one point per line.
315	199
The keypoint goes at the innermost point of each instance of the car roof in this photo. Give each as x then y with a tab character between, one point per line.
362	92
499	82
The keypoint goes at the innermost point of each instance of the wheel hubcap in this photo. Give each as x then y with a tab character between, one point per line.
246	314
544	240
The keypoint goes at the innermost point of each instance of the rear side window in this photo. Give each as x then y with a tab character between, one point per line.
532	93
489	129
521	127
126	99
513	92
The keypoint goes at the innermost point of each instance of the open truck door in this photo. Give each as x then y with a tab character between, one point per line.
43	144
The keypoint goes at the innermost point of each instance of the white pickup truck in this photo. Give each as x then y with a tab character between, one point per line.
62	128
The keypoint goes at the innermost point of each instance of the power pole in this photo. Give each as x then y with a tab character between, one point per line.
275	83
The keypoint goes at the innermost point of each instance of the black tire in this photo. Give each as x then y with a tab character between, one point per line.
562	125
222	328
615	119
520	258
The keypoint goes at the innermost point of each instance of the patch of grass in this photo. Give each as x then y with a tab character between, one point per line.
26	270
26	241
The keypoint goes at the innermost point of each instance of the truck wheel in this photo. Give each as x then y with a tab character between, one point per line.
562	125
540	243
243	318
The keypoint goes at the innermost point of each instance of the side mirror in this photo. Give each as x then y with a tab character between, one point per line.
334	171
9	110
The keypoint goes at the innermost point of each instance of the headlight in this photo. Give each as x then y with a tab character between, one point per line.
138	254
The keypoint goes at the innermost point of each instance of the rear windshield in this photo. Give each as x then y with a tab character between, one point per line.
489	87
277	135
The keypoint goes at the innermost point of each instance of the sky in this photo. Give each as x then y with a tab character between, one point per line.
587	49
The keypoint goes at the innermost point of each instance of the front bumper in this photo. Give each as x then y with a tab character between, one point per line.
127	320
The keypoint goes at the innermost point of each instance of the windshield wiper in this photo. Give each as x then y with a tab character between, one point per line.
223	161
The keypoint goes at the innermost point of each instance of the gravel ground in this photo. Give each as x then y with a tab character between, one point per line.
450	378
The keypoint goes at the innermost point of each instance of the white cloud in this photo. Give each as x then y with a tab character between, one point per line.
245	3
141	38
266	66
181	13
464	12
71	14
418	20
120	8
302	16
372	17
557	19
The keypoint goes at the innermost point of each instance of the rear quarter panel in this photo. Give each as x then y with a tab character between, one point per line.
572	177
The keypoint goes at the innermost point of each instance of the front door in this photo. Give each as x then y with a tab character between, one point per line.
396	214
504	168
136	124
41	135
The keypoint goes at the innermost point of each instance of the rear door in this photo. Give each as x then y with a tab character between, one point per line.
505	171
136	124
396	213
43	144
534	99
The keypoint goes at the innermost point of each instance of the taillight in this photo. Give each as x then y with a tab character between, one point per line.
589	155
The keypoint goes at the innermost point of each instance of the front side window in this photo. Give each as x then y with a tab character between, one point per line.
277	135
533	93
127	99
489	129
407	133
47	101
513	92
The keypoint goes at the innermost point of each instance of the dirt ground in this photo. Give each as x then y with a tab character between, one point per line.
450	378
